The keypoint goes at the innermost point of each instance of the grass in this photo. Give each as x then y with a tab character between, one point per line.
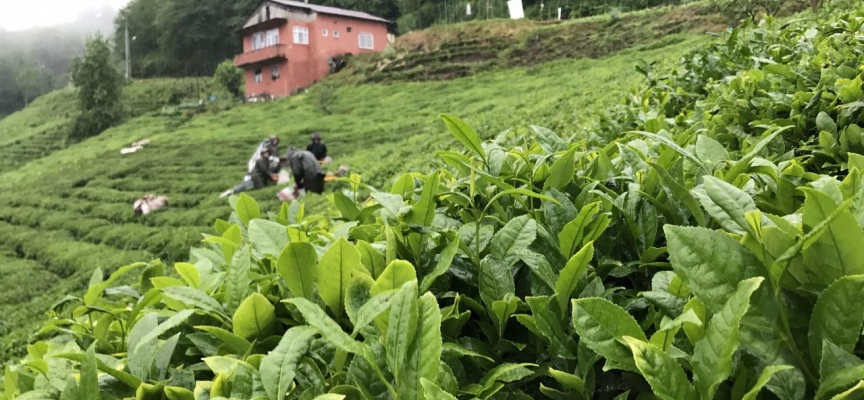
69	213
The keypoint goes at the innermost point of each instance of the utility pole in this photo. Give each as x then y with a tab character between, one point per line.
128	57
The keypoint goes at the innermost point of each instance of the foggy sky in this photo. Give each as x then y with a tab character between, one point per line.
18	15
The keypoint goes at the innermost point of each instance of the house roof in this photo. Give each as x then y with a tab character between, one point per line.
331	10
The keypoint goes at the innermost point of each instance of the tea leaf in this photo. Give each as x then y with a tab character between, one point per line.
709	262
424	354
178	393
404	186
662	372
195	298
539	266
334	334
152	334
88	387
494	280
432	391
572	236
727	204
839	380
681	194
712	356
279	367
569	381
298	266
254	318
372	309
764	378
602	325
424	210
394	277
334	271
549	325
464	134
833	254
402	325
189	273
267	237
569	277
237	344
562	171
371	258
837	316
835	359
247	208
518	233
444	261
237	280
128	379
95	291
825	123
548	140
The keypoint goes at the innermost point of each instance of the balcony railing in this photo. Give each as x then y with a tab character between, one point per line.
260	56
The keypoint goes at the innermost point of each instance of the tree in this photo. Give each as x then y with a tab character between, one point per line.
32	81
10	94
229	77
100	87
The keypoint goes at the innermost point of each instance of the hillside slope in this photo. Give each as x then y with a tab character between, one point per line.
69	213
453	51
41	129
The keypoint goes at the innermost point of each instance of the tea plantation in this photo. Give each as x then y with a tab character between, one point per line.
694	234
66	214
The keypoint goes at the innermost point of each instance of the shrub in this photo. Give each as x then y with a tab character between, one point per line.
229	78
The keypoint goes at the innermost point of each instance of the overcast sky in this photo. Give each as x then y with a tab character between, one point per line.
23	14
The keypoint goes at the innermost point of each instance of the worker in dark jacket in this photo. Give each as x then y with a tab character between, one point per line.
263	172
306	171
317	148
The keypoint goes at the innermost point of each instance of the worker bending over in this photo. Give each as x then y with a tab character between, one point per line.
306	170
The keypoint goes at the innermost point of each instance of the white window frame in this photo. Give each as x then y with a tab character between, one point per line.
301	35
257	41
335	33
271	37
259	76
324	32
274	72
362	39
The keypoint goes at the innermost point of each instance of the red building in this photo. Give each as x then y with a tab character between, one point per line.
288	45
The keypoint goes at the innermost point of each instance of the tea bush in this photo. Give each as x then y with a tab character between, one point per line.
702	243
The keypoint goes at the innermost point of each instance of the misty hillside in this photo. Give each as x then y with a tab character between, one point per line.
38	60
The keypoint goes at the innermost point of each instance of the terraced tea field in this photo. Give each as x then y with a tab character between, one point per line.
66	214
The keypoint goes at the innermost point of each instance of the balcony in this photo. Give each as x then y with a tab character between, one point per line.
260	56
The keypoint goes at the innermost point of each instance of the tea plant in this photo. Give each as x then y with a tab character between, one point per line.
702	243
70	212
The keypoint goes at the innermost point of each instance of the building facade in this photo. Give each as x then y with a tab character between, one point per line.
288	45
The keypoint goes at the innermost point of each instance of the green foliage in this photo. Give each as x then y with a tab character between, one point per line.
229	77
66	214
736	10
703	245
100	88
